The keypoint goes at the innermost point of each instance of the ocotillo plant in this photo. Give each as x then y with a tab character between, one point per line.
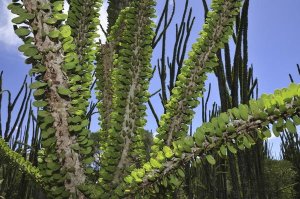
290	147
62	51
21	132
236	85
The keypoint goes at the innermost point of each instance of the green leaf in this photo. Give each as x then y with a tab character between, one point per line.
48	120
24	47
246	142
57	191
181	173
147	167
75	147
46	134
68	47
51	21
128	179
38	92
60	16
18	20
231	148
63	91
267	133
37	84
37	69
89	143
140	172
14	5
40	160
88	160
290	126
53	166
57	176
42	113
85	123
76	128
155	164
89	170
22	32
37	57
79	112
235	112
39	104
16	9
175	181
50	141
211	63
199	137
58	6
189	141
70	65
274	130
75	119
168	152
86	151
51	130
160	156
243	112
30	52
164	182
54	34
223	150
224	117
28	16
211	160
65	31
296	120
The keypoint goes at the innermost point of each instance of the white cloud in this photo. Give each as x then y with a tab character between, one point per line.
66	7
8	36
10	39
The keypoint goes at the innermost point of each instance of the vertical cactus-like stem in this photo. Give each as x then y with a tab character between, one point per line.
83	20
48	50
105	91
174	123
125	148
104	69
105	66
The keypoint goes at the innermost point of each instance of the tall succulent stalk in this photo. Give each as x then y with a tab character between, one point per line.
130	83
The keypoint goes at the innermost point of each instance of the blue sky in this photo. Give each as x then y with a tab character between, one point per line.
274	43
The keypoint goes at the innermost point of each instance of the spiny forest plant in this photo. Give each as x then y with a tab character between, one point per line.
64	51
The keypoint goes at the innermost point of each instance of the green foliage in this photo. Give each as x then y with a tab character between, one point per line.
179	109
211	159
79	45
16	160
63	72
283	170
22	32
240	136
127	122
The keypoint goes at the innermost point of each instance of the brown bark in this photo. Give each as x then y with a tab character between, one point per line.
57	105
106	59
